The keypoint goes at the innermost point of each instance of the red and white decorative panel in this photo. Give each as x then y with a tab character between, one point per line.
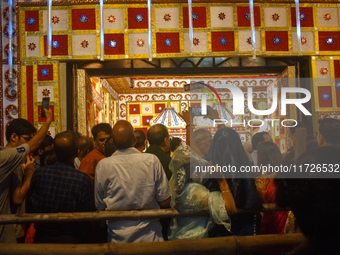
243	16
200	42
84	44
167	17
199	17
329	41
32	21
328	16
307	41
244	40
222	41
147	108
167	43
323	70
32	48
275	17
59	45
114	44
45	91
221	16
135	121
59	20
306	17
138	43
83	19
137	18
113	18
276	40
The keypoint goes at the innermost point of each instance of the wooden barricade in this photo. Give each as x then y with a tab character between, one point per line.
233	245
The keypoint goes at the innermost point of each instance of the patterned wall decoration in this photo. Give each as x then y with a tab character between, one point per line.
326	87
9	89
219	29
279	133
140	108
39	80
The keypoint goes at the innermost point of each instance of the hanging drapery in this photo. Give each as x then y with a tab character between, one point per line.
191	30
10	38
49	29
252	26
101	10
298	26
149	30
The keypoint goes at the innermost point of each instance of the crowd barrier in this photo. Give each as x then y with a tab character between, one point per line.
109	215
233	245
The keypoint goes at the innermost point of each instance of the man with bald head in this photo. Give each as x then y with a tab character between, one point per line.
61	188
131	180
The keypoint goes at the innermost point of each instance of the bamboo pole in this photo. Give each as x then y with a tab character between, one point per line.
233	245
107	215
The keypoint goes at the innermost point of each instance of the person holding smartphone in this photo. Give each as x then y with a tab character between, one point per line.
20	142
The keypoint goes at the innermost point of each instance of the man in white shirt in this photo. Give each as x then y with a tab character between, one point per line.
131	180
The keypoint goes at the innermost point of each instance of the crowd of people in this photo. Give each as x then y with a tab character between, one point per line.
122	169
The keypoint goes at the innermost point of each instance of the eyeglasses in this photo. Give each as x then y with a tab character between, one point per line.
103	139
26	138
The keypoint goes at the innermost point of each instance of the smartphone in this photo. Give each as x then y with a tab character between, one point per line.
193	86
45	105
196	111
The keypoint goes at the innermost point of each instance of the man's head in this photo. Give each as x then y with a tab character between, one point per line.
101	133
85	146
140	140
259	138
19	131
203	140
329	132
175	142
66	146
158	135
46	145
123	135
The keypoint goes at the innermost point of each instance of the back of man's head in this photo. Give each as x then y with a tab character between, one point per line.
85	146
258	138
140	138
201	134
20	127
330	130
175	142
66	146
156	134
47	141
123	135
101	127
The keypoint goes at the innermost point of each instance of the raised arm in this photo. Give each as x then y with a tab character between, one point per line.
39	136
